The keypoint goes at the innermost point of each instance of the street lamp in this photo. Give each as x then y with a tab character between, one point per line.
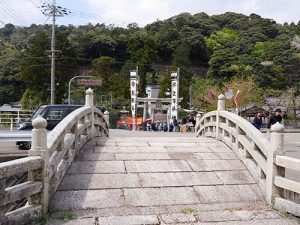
69	91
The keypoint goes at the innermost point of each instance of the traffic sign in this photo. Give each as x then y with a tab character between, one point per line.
89	82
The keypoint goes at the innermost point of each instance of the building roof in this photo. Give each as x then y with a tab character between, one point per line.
9	108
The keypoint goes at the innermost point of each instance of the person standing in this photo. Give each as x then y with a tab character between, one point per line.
257	122
175	124
274	118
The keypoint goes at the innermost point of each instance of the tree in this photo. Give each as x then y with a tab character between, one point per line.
206	96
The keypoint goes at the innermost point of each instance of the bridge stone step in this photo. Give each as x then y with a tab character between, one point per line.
136	179
244	217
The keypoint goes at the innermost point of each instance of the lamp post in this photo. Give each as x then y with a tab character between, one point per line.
69	90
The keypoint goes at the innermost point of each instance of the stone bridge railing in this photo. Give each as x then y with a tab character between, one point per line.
48	161
264	157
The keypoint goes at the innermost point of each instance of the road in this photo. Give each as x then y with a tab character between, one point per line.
8	149
292	147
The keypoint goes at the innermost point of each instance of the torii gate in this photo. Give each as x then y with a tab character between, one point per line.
173	101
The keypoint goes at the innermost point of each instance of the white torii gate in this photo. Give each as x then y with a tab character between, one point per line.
173	100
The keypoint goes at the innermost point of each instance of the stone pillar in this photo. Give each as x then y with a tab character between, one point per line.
221	106
198	118
221	102
106	115
2	194
89	98
39	148
276	148
145	112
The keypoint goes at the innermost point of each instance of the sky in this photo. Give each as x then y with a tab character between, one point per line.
122	12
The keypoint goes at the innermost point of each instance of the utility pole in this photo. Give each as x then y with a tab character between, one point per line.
54	11
53	54
190	93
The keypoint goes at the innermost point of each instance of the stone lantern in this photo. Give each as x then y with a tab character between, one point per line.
124	114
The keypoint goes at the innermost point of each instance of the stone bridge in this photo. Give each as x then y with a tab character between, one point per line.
228	173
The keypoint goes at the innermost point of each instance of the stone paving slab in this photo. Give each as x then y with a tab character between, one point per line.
220	155
228	193
99	181
130	220
84	199
188	149
235	177
163	139
91	167
252	222
142	156
216	165
178	179
107	143
215	144
83	221
173	209
160	196
182	155
173	144
96	156
239	215
130	149
133	144
157	166
177	218
219	148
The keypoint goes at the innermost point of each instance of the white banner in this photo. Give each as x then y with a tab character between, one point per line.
133	92
174	95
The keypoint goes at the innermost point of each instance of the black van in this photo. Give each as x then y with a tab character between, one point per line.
53	114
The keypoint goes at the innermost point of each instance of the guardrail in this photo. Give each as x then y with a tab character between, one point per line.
48	161
15	136
264	158
14	117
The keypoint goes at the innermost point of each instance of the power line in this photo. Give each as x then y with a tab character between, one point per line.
10	11
2	22
7	13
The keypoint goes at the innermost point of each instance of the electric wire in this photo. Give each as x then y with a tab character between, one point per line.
10	11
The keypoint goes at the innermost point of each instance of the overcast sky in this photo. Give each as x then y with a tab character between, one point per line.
121	12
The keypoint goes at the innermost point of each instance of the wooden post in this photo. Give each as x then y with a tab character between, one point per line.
39	148
276	148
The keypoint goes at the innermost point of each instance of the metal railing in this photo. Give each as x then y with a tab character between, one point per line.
14	117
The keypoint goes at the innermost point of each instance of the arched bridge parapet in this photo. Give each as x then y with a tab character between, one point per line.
48	161
264	157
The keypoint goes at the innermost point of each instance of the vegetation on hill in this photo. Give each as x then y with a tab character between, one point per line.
211	51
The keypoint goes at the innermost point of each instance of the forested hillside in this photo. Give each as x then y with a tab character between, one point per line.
210	50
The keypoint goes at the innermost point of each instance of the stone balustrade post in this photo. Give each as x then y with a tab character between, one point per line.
2	194
89	98
39	148
106	115
198	118
276	148
221	106
221	102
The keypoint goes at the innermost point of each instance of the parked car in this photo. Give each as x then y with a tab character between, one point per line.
53	114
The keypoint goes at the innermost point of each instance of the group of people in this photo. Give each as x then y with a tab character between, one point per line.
174	126
274	118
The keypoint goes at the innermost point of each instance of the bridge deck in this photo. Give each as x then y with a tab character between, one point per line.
161	178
